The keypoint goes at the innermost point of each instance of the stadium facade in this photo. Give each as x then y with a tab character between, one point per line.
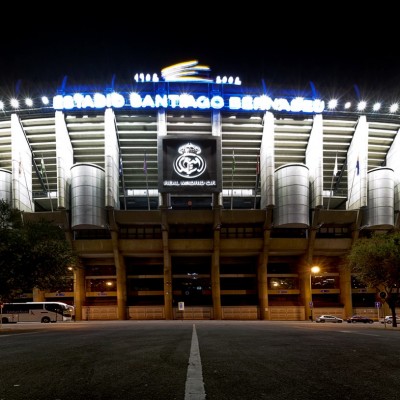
194	197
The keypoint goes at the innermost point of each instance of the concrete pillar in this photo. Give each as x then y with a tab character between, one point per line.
121	278
168	289
167	282
345	291
305	289
215	277
79	292
262	283
38	295
215	261
262	275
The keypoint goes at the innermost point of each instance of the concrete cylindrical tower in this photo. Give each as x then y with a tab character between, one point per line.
292	196
5	185
87	196
380	205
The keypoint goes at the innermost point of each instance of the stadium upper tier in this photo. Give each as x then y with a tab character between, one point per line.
259	128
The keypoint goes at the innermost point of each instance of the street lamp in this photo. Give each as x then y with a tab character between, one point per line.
314	270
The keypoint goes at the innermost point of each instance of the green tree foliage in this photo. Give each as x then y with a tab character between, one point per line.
32	255
376	262
9	217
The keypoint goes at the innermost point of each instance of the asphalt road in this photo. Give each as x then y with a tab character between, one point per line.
197	360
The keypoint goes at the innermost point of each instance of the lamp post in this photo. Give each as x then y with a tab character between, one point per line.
314	270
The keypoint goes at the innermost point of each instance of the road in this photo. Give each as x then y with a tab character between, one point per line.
198	360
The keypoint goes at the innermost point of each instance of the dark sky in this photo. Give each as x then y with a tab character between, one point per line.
256	45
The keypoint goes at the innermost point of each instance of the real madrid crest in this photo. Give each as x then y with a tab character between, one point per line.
190	164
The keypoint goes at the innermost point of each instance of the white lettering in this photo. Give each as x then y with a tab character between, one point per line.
78	100
173	100
190	183
135	100
117	100
58	102
161	101
203	102
99	100
235	103
148	101
318	105
87	102
217	102
68	102
186	101
281	105
246	103
262	103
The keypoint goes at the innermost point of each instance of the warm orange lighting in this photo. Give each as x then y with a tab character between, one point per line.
315	269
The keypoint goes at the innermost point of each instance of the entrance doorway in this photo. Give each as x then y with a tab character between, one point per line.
191	281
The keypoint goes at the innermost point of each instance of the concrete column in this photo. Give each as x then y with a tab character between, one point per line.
345	291
215	261
38	295
215	277
267	162
305	270
121	278
79	292
305	289
167	281
262	275
168	289
262	283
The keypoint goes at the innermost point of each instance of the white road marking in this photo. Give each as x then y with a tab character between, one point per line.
194	389
360	333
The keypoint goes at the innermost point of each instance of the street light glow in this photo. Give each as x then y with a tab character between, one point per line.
315	269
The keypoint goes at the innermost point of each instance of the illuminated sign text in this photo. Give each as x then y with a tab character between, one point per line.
186	101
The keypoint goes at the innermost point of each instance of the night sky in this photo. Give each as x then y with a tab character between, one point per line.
292	52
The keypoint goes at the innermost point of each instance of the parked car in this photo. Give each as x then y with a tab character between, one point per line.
389	320
328	318
359	318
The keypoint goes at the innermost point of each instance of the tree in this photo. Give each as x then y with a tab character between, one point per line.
32	255
376	262
9	217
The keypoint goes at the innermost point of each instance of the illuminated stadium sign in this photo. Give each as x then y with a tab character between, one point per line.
185	72
188	86
190	164
186	101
